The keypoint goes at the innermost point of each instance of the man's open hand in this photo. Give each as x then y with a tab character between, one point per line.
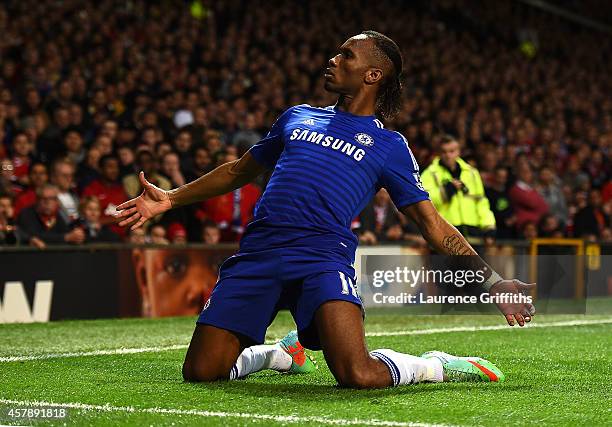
151	202
522	312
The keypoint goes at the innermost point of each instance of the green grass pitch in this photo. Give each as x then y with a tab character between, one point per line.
557	373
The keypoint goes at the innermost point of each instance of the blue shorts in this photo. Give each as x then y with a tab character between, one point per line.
253	287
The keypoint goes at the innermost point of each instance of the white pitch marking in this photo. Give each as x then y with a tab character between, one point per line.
119	351
219	414
109	352
490	328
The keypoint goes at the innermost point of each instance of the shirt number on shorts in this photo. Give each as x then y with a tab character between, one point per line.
347	285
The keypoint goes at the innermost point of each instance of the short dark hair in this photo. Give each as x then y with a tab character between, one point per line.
447	139
107	158
389	101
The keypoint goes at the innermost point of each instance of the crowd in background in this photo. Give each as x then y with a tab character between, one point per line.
91	93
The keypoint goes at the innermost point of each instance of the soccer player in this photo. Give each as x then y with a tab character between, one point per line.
298	251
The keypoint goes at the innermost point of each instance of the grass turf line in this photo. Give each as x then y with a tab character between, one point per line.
555	376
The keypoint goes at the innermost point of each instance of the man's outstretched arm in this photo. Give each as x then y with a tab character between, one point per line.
154	201
447	240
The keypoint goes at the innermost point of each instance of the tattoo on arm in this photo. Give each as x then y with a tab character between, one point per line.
455	245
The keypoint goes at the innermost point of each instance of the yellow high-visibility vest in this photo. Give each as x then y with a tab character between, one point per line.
471	208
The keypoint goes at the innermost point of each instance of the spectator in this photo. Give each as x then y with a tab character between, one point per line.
8	231
527	203
73	147
95	232
137	236
574	176
203	163
213	142
171	168
50	142
550	226
127	160
245	138
41	223
231	211
146	163
89	170
8	181
380	221
497	193
550	189
183	146
529	231
211	234
177	234
62	176
109	191
157	235
22	157
456	190
591	220
552	103
38	177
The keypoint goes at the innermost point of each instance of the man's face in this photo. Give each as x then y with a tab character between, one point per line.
137	236
173	282
63	176
202	159
147	163
346	71
183	142
171	163
92	212
546	176
110	129
38	175
6	169
21	145
525	174
595	198
93	157
110	170
104	144
501	176
47	202
73	142
449	152
6	208
62	118
76	114
126	155
211	235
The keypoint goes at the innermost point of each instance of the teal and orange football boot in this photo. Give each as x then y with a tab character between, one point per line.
458	369
302	363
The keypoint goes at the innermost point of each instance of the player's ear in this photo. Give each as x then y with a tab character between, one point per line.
373	75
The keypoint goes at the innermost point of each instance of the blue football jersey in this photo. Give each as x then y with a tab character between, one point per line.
327	165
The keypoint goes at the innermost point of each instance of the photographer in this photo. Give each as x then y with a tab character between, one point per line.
456	190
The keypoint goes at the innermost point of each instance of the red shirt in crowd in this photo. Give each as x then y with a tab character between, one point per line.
110	196
528	204
220	209
606	192
21	166
24	200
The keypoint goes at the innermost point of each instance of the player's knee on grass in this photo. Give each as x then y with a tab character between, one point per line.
357	377
360	374
211	354
205	370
